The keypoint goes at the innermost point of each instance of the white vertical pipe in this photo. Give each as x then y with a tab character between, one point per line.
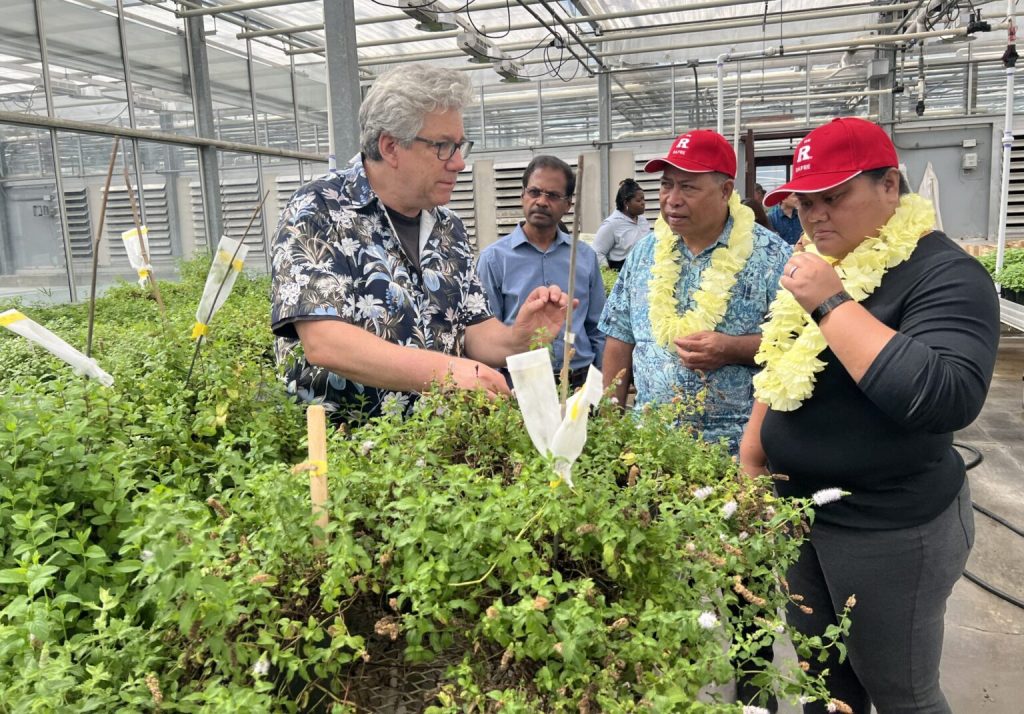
720	69
1004	193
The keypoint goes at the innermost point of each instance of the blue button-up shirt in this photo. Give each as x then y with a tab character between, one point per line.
786	226
512	267
658	374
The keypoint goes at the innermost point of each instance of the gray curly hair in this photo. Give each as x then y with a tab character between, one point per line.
401	97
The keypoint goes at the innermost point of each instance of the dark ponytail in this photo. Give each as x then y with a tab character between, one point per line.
627	189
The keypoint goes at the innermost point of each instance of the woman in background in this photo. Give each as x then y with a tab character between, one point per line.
620	231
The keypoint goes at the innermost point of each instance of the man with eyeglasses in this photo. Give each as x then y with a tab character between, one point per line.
374	293
536	254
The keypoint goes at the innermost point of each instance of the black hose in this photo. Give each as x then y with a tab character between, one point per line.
994	590
999	519
977	458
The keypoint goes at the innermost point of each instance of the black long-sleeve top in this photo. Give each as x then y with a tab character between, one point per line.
888	440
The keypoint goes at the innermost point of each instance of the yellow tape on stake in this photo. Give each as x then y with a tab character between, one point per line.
237	265
321	467
200	330
143	273
9	317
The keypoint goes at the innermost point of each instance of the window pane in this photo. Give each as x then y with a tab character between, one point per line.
158	58
22	87
86	71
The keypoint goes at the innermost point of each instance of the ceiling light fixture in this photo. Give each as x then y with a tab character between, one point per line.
431	16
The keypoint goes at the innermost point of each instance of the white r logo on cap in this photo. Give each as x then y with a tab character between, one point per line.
803	153
683	143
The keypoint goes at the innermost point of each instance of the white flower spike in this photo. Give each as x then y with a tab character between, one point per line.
826	495
261	668
728	509
707	620
701	493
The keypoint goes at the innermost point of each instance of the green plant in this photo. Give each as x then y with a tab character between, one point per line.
1012	256
156	549
608	277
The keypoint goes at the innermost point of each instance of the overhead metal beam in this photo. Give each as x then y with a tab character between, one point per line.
549	29
149	135
237	7
694	26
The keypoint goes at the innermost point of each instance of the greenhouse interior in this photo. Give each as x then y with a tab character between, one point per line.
177	534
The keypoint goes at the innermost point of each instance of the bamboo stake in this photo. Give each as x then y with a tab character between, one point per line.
209	316
96	246
568	337
316	428
142	243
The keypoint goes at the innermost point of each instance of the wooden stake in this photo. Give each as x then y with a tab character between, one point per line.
316	428
96	246
569	338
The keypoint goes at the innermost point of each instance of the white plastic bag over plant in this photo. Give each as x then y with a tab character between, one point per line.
227	264
560	438
567	443
32	330
137	250
534	382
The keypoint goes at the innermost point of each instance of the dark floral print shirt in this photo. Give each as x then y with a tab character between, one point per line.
336	256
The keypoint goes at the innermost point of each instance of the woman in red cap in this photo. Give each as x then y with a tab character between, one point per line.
880	347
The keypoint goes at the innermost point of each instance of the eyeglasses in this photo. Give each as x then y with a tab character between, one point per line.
446	149
536	193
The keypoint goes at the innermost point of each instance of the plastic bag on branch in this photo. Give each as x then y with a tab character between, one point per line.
31	330
138	252
227	264
560	437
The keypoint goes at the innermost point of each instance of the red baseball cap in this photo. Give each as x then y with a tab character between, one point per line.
833	154
698	151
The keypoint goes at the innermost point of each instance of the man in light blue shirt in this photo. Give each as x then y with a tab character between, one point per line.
537	253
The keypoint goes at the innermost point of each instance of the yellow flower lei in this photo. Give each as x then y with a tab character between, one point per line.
791	342
716	282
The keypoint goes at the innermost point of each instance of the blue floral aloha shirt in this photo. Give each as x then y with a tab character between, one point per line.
658	374
336	256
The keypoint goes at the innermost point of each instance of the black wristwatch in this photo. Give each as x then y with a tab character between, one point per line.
829	305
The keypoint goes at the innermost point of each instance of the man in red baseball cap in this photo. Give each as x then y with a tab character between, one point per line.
706	239
685	313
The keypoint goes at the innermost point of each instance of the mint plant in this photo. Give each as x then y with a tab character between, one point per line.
156	550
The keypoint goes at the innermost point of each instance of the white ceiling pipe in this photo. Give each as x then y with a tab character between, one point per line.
527	92
795	50
1004	192
576	19
239	7
720	77
514	47
690	27
805	95
674	29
